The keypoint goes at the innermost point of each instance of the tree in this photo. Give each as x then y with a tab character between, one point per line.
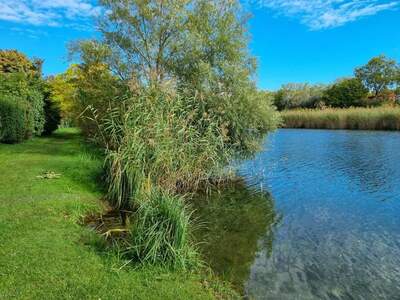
21	83
346	93
298	95
378	74
194	48
13	61
397	93
62	88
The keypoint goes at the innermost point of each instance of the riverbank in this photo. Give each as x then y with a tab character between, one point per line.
47	186
380	118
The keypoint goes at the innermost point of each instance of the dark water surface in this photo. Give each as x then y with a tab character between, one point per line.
329	230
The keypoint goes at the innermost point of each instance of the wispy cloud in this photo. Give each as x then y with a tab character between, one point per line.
48	12
27	32
323	14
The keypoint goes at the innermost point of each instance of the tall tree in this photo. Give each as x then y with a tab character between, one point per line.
196	48
346	93
13	61
378	74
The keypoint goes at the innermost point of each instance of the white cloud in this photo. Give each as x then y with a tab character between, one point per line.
48	12
323	14
27	32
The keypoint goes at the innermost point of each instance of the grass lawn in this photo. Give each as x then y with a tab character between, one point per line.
46	254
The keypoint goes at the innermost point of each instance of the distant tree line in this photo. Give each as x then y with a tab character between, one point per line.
374	84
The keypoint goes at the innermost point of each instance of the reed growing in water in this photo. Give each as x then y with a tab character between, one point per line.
171	106
379	118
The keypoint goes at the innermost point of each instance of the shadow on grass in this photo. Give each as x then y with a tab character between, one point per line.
65	152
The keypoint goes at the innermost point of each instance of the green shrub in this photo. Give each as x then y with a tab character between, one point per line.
12	120
52	114
298	95
346	93
152	140
160	232
36	113
20	79
170	107
28	91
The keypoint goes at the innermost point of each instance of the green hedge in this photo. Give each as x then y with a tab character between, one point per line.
35	99
52	117
21	99
12	120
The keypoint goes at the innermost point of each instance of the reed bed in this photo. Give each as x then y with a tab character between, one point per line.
379	118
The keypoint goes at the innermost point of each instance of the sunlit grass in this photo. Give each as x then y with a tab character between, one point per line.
380	118
46	254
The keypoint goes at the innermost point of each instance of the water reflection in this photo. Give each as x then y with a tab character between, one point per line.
339	192
236	222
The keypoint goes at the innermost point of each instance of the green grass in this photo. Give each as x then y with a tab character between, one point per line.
380	118
46	254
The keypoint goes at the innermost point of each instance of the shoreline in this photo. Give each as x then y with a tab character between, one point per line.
379	118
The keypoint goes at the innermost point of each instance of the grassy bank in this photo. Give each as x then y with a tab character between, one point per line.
46	254
382	118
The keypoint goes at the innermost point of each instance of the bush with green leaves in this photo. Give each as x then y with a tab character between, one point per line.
171	105
36	112
197	48
20	81
19	87
52	114
346	93
298	95
51	109
12	120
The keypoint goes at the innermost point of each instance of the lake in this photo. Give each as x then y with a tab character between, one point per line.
317	216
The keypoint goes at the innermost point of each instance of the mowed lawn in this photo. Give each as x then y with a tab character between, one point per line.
46	254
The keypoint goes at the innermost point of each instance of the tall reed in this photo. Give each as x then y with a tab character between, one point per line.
380	118
155	141
160	232
156	149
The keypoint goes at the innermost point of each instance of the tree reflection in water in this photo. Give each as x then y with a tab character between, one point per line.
235	222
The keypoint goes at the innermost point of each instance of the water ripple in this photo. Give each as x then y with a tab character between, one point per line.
339	195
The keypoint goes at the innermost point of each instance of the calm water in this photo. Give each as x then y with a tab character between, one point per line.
327	225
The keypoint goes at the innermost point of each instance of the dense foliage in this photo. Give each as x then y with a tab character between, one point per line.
25	93
374	84
12	120
187	78
161	232
379	74
64	91
22	84
346	93
12	61
298	95
52	112
168	93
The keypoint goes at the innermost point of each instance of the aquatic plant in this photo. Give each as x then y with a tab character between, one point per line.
382	118
171	105
160	232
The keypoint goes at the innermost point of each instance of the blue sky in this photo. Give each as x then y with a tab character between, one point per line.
312	41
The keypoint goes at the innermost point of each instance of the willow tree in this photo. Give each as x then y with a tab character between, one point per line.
197	48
